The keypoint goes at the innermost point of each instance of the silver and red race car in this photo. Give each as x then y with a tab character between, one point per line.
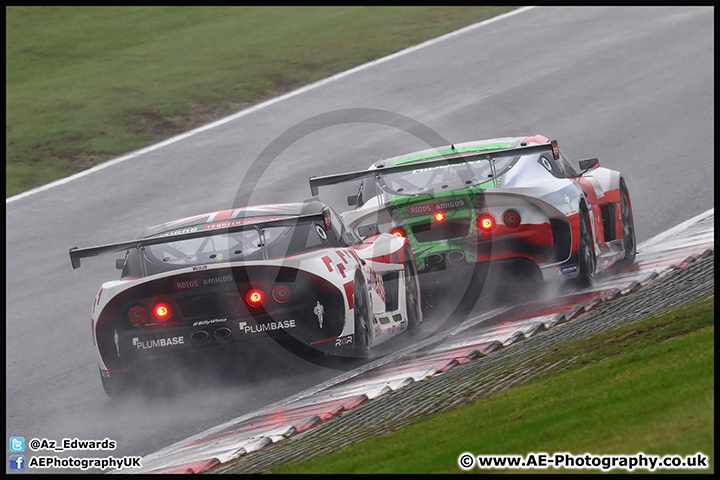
292	272
514	202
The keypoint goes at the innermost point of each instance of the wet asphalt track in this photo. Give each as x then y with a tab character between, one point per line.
632	86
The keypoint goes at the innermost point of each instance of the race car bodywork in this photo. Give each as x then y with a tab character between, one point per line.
292	272
515	202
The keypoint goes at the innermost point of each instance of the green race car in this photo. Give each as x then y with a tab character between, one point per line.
514	201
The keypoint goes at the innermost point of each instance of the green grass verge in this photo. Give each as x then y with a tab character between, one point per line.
86	84
645	388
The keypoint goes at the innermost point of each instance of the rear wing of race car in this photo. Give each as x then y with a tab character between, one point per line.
325	180
243	224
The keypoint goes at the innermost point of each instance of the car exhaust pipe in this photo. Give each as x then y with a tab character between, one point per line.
223	334
434	259
455	257
435	262
200	337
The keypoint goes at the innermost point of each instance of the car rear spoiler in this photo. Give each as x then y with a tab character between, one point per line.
77	253
325	180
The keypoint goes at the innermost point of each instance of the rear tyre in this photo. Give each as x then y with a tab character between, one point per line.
586	253
412	292
363	316
628	226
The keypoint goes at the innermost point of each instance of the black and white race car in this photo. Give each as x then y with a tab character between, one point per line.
293	272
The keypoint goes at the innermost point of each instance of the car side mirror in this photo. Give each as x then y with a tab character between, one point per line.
352	200
589	163
119	263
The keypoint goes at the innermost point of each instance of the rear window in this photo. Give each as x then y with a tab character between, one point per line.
447	178
239	246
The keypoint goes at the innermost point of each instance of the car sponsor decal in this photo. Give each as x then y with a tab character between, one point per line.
435	207
161	342
186	284
319	311
215	225
344	341
180	285
208	322
266	327
177	232
217	280
567	270
375	282
243	221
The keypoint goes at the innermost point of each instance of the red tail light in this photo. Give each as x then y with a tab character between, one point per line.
398	232
162	312
255	297
439	216
511	218
281	293
138	314
486	223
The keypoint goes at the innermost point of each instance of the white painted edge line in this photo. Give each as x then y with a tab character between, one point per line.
662	236
262	105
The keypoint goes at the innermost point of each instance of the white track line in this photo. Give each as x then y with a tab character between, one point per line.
659	238
260	106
